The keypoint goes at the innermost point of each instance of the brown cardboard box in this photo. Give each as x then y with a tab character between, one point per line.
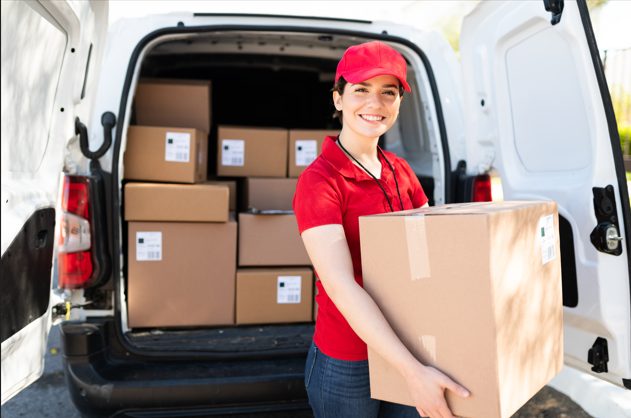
176	202
174	103
304	147
175	155
190	282
232	185
273	295
251	152
269	193
270	240
466	290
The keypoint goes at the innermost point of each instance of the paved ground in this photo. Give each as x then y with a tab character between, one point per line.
48	397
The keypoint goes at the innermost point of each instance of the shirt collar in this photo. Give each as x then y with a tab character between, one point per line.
332	154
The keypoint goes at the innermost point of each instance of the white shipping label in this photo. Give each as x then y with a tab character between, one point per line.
288	289
546	231
232	152
178	147
148	246
306	151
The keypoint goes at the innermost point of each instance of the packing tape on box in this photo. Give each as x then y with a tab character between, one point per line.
418	253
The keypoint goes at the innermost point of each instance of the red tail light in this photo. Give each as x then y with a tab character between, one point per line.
481	188
76	267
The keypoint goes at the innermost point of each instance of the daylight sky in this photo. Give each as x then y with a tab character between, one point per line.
611	26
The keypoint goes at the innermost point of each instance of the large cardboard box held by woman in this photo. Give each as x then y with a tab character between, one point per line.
473	290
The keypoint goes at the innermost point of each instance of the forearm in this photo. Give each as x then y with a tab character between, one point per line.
367	320
335	269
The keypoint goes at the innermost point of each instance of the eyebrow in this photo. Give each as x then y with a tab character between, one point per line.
370	85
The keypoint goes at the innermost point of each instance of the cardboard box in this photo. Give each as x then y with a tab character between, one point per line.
251	152
182	274
232	186
174	103
174	155
270	240
274	295
176	202
473	290
304	147
269	193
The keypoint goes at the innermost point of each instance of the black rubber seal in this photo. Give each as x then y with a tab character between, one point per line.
614	135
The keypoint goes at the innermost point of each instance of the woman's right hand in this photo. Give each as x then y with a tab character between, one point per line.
427	387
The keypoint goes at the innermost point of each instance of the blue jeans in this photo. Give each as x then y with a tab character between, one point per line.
341	388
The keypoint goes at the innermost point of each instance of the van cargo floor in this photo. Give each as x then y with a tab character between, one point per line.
228	339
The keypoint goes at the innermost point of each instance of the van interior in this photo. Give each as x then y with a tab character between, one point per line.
271	80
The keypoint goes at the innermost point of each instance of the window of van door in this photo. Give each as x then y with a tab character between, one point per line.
29	84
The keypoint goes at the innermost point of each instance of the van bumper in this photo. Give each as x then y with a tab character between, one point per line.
102	385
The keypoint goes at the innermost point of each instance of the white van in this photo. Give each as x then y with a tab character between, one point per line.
528	99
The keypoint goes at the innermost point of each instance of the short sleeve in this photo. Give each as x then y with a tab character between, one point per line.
417	194
316	202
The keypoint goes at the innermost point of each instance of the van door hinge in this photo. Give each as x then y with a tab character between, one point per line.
556	8
598	356
606	235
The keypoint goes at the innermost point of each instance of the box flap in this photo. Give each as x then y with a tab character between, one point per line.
475	208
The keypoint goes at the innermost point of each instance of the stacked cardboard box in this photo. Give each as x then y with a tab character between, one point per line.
304	148
182	239
283	290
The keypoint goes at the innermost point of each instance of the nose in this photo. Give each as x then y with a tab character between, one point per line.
374	100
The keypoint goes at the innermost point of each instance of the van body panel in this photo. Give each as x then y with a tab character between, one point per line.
537	107
51	54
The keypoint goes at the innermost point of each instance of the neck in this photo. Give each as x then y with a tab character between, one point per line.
364	149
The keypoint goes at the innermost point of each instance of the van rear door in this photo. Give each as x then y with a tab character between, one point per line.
536	103
51	53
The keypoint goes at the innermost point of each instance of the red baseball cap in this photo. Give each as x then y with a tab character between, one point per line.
364	61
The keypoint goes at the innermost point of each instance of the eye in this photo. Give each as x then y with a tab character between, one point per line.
361	89
390	92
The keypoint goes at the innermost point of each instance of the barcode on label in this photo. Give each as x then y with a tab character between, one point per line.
288	289
237	161
177	147
148	246
546	234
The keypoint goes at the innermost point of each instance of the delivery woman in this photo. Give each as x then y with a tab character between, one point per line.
353	177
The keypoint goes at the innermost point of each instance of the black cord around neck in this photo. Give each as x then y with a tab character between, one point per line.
371	175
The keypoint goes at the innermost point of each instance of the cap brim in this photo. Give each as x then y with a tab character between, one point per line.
364	74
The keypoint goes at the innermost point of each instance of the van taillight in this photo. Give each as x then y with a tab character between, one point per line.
76	267
481	188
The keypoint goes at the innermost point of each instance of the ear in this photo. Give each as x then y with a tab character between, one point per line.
337	100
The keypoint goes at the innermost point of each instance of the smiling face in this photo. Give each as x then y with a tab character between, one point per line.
371	107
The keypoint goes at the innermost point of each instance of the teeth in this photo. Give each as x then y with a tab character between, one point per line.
372	118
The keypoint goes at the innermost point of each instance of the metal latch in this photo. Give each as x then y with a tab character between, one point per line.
606	235
556	8
598	356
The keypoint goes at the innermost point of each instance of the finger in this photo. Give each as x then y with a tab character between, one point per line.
445	412
456	388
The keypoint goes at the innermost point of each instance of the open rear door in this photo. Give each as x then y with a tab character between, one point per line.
536	101
51	54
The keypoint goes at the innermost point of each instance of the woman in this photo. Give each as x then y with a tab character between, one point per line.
353	177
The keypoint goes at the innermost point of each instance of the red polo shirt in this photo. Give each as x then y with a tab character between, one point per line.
333	190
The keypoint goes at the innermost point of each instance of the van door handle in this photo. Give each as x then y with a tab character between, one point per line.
108	120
